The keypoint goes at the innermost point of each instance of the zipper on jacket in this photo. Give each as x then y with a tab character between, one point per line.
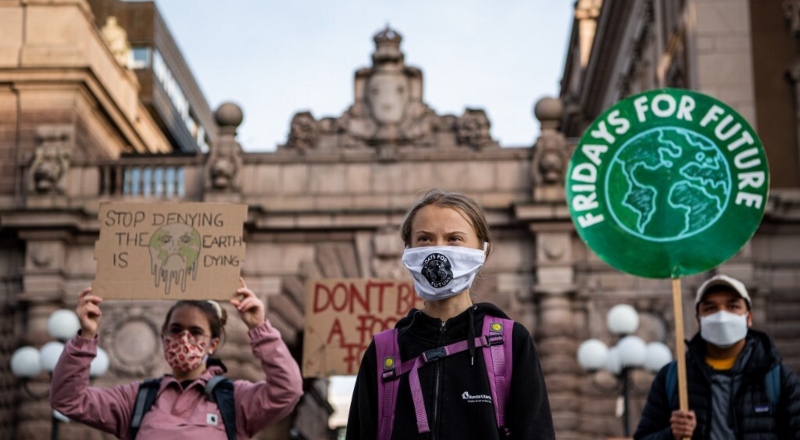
438	373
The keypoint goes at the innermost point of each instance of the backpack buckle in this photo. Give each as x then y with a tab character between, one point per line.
494	339
434	354
389	375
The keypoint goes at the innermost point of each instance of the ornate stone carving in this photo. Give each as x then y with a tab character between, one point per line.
117	40
304	133
387	112
550	153
473	129
51	159
225	159
388	106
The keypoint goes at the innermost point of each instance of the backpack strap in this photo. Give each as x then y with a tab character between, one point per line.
672	383
388	360
497	359
434	354
145	397
219	389
772	384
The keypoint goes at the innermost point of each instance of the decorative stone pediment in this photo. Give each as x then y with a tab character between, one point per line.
388	110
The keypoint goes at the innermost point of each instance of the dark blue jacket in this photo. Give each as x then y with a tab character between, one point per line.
749	398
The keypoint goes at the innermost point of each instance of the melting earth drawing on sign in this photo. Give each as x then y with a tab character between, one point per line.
672	183
174	254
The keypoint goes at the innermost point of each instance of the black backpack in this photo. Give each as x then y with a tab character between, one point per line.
219	389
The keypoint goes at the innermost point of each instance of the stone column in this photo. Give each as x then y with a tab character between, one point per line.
551	301
43	281
555	331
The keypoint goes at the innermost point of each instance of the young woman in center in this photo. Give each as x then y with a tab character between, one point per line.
447	240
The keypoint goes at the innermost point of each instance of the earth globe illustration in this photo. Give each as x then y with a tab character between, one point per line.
667	184
174	254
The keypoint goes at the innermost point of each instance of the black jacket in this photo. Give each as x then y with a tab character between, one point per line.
445	381
749	399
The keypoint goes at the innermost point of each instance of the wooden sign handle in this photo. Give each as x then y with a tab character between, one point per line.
680	346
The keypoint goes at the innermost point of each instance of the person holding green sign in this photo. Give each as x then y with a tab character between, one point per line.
738	386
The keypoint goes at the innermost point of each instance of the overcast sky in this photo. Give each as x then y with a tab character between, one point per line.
277	58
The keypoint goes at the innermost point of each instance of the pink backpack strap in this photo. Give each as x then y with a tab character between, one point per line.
498	362
388	360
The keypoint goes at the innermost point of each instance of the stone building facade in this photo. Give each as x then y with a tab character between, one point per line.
329	201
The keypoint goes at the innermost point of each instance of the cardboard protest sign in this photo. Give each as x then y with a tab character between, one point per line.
667	183
169	250
343	314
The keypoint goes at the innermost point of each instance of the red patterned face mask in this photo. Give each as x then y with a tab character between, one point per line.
184	352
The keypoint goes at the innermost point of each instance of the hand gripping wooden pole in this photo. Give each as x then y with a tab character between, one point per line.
680	346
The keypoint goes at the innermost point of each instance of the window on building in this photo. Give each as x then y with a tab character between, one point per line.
164	75
139	57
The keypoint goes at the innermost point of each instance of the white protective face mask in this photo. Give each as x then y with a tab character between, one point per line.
443	271
723	329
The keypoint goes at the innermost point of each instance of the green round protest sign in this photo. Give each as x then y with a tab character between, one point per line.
667	183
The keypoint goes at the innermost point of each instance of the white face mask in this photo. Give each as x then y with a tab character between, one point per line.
723	329
442	271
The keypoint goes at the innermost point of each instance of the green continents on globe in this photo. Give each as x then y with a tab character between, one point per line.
667	183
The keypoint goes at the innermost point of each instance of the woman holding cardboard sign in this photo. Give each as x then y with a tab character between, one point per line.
453	370
195	401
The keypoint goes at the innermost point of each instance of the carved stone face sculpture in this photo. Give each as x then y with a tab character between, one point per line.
473	129
388	93
47	174
222	172
174	254
48	168
551	167
303	133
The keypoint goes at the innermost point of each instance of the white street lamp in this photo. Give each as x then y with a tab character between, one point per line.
629	353
63	324
28	362
50	353
25	362
613	363
658	355
99	364
592	354
622	320
632	352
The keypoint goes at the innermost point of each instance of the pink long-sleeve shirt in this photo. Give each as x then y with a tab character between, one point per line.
179	413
